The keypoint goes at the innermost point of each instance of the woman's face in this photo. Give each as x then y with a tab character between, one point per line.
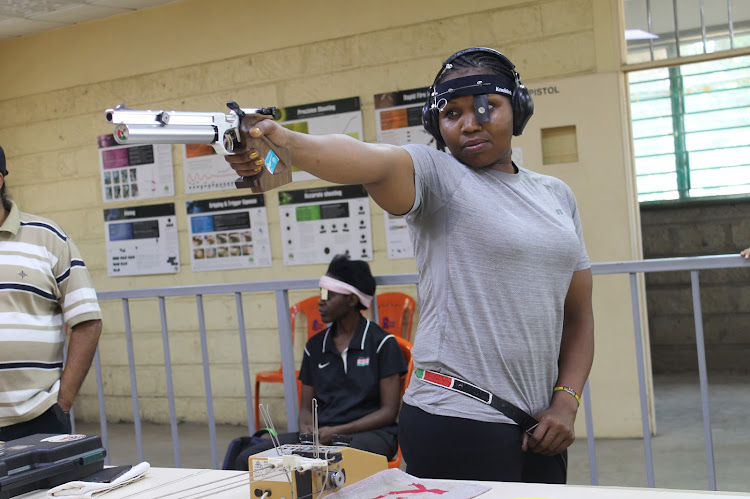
477	144
335	307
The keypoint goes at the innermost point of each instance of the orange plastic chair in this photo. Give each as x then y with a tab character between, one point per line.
406	350
396	310
315	324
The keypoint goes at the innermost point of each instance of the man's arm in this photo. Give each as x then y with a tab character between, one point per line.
555	431
81	349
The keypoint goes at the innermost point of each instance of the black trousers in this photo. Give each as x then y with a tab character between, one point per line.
379	441
465	449
54	420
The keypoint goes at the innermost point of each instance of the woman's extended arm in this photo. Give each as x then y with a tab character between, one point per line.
387	171
555	431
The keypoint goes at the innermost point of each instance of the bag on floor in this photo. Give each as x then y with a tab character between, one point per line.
239	444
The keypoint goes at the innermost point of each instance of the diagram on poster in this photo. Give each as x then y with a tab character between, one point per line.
135	172
398	118
205	170
397	237
336	116
229	233
317	224
141	240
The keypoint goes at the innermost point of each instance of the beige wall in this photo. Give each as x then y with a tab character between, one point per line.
197	54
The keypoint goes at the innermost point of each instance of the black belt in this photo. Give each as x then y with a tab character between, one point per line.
519	416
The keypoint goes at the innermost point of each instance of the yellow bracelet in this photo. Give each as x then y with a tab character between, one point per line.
568	390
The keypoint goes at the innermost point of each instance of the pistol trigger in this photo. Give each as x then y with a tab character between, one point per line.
230	141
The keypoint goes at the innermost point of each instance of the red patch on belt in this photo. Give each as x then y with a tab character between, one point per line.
438	379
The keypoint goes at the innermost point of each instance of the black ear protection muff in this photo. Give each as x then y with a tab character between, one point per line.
521	102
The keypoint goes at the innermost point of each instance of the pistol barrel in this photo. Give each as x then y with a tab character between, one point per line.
159	134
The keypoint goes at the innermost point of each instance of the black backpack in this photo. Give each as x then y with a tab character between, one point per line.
238	445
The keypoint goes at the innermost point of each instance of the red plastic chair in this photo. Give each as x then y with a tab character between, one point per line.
406	350
309	308
396	313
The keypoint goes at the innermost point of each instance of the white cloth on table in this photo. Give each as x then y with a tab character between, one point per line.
86	490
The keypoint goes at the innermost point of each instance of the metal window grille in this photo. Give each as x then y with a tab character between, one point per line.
667	29
691	129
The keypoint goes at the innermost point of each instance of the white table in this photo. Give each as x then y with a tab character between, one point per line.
180	483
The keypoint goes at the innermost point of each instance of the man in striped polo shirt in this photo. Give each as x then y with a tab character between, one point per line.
44	286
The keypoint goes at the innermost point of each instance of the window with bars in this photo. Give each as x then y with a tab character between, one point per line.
691	122
691	129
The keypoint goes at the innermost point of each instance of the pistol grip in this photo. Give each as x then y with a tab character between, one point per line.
252	183
265	180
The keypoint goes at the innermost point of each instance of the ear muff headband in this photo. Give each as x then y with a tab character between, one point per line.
521	101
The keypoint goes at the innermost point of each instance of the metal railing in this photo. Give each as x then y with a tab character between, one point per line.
281	290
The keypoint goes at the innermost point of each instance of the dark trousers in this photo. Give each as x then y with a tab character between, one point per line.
465	449
380	441
54	421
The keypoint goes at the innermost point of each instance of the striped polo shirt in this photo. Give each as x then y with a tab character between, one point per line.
44	285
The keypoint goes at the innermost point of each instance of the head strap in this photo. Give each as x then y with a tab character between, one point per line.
471	85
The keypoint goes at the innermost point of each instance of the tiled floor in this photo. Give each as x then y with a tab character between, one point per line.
678	449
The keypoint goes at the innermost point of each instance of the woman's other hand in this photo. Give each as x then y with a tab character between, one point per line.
555	431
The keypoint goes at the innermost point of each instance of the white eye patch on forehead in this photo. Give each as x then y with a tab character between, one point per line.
327	283
478	86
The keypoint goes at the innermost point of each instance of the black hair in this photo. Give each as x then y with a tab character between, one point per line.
4	197
354	272
476	60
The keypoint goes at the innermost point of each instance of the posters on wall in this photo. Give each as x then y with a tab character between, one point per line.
229	233
398	120
141	240
135	172
336	116
317	224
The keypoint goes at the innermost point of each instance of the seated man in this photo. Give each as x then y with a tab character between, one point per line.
353	368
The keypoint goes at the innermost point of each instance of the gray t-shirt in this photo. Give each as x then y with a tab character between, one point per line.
495	253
